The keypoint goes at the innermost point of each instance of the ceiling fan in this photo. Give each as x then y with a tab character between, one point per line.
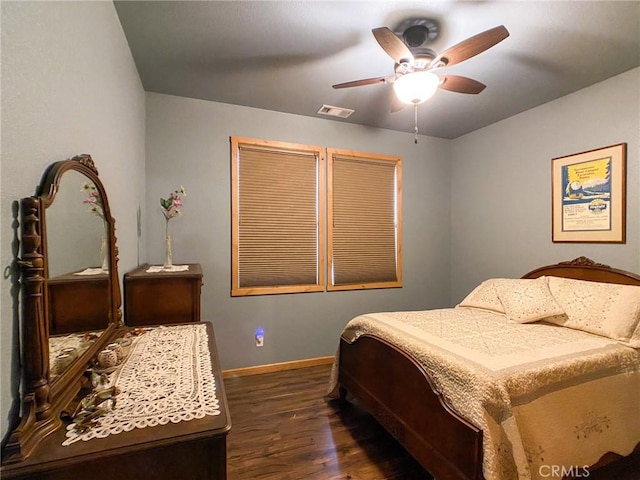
415	79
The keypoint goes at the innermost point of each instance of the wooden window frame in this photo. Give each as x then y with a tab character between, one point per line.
332	153
274	146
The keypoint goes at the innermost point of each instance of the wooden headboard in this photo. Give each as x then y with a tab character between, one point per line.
583	268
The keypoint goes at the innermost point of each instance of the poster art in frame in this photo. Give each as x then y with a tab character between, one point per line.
589	196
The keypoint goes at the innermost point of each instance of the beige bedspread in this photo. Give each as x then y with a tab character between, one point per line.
544	395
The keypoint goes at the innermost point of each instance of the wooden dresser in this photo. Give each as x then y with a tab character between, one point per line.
78	303
194	449
170	418
162	297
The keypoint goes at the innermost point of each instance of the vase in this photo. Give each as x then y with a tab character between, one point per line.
104	255
168	255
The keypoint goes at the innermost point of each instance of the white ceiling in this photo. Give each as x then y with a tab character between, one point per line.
284	56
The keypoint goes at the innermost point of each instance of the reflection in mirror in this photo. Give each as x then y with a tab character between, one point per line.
65	349
77	275
76	238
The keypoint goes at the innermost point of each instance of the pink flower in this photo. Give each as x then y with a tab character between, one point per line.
171	206
93	199
176	200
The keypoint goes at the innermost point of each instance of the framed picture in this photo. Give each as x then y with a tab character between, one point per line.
588	193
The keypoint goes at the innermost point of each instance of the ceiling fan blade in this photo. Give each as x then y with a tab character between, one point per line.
472	46
391	44
366	81
455	83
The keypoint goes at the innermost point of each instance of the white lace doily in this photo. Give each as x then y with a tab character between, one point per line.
166	378
172	268
92	271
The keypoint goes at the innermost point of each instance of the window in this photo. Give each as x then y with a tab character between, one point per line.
277	217
364	220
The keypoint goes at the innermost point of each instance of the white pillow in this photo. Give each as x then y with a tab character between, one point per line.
606	309
484	296
528	300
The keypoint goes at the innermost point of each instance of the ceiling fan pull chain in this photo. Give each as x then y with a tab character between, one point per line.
415	110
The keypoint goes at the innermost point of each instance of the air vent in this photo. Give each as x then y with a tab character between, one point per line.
335	111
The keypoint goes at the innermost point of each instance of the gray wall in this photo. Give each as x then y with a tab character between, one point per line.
501	186
188	144
69	86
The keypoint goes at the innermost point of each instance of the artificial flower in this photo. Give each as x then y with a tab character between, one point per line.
93	199
171	206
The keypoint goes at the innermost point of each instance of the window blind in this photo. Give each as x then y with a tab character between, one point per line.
364	220
276	218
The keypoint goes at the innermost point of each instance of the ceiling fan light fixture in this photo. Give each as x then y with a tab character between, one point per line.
416	87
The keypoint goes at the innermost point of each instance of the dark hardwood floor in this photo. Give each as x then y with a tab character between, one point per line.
283	429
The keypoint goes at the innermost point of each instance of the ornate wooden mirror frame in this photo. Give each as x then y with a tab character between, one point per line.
44	399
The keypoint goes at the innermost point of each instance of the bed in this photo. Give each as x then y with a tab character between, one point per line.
526	378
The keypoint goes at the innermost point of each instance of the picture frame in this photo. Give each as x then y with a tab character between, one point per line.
588	196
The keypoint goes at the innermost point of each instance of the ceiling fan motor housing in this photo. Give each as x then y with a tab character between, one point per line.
421	61
417	32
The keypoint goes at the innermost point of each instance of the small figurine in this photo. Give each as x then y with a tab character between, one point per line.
89	409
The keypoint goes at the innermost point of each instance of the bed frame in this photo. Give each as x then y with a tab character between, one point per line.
397	391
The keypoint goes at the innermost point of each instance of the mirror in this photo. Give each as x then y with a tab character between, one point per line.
71	294
77	209
77	270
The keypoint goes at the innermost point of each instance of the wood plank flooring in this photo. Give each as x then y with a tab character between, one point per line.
283	429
